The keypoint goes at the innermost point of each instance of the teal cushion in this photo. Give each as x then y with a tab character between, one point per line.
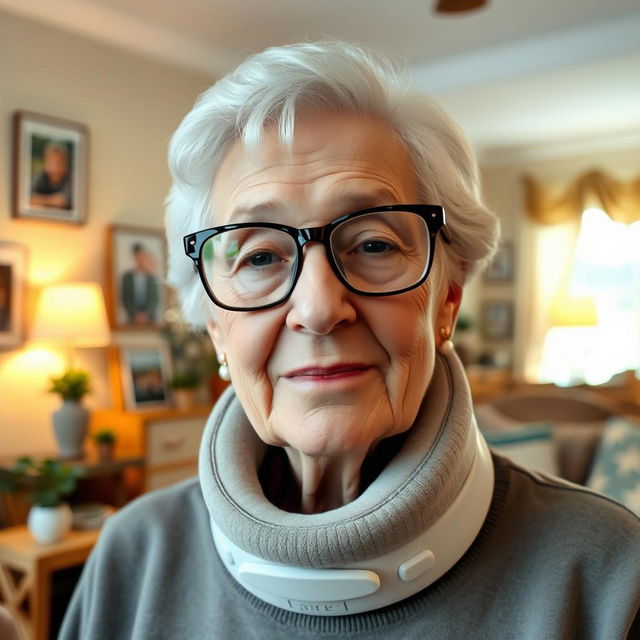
616	466
529	444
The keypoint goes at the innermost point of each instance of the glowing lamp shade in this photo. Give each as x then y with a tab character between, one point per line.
73	313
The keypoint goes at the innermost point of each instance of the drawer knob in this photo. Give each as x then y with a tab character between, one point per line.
173	442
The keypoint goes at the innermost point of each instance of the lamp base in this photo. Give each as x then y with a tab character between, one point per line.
70	426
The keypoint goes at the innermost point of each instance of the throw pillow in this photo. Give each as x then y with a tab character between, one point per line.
529	445
616	467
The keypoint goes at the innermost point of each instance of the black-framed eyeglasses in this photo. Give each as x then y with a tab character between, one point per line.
381	251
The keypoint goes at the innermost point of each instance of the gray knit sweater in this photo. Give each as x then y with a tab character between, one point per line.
551	562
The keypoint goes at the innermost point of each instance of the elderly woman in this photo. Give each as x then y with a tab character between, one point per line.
322	223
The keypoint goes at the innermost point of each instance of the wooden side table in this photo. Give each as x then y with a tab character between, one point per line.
14	508
34	563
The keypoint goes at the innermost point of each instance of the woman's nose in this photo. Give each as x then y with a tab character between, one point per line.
320	302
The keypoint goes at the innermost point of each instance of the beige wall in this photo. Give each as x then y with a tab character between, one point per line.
503	193
131	106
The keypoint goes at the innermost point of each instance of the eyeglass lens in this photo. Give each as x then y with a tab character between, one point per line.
375	253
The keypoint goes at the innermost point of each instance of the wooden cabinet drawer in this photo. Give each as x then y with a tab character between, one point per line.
168	440
160	479
171	441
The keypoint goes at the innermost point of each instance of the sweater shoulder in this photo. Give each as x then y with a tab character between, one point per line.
158	511
151	550
571	508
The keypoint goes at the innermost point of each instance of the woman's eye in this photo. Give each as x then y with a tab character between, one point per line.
376	246
262	259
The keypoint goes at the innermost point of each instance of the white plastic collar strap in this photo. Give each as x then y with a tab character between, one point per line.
379	581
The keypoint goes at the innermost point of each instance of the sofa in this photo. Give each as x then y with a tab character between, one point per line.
572	433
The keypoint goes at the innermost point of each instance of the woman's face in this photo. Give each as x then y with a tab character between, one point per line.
328	372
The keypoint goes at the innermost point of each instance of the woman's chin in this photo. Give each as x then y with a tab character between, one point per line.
334	433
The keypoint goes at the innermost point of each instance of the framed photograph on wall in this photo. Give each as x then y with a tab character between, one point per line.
136	259
49	168
501	267
13	278
145	372
497	319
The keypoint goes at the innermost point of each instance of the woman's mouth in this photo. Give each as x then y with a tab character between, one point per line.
328	373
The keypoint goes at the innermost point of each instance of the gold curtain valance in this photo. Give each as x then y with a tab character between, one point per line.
621	200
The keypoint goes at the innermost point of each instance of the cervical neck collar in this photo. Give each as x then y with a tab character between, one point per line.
409	527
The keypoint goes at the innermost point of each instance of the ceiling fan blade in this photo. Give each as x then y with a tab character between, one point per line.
458	6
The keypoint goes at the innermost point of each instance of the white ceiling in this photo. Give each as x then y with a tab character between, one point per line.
520	76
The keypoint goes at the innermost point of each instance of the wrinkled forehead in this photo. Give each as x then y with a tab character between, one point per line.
331	156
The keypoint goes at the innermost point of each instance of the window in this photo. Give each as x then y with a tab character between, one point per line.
595	318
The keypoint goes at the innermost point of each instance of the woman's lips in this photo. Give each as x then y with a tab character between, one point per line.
330	373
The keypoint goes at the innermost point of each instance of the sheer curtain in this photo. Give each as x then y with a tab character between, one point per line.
550	250
607	269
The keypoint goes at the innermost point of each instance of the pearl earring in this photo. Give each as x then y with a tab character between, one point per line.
223	369
446	346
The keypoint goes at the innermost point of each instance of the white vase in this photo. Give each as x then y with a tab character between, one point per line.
49	524
70	424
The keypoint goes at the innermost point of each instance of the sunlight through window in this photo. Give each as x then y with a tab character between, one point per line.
592	347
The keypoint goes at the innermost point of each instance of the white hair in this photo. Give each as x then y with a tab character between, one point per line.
268	89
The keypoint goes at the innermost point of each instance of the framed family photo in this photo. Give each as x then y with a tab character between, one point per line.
497	319
13	265
501	267
145	372
136	259
49	168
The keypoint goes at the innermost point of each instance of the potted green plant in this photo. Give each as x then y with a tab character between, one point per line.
105	440
185	385
45	482
71	420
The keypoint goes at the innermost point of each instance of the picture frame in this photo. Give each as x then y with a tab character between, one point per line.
136	260
497	320
49	168
500	270
13	278
145	375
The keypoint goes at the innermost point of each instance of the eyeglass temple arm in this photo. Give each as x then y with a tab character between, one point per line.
189	244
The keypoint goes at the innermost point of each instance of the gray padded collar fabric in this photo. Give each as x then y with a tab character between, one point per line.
413	490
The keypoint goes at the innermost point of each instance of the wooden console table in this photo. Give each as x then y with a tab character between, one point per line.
34	563
167	439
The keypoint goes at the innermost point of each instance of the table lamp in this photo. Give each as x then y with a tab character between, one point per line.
74	315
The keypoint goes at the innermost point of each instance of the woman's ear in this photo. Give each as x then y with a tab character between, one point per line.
214	333
447	312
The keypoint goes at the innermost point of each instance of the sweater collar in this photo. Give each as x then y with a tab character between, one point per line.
414	490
